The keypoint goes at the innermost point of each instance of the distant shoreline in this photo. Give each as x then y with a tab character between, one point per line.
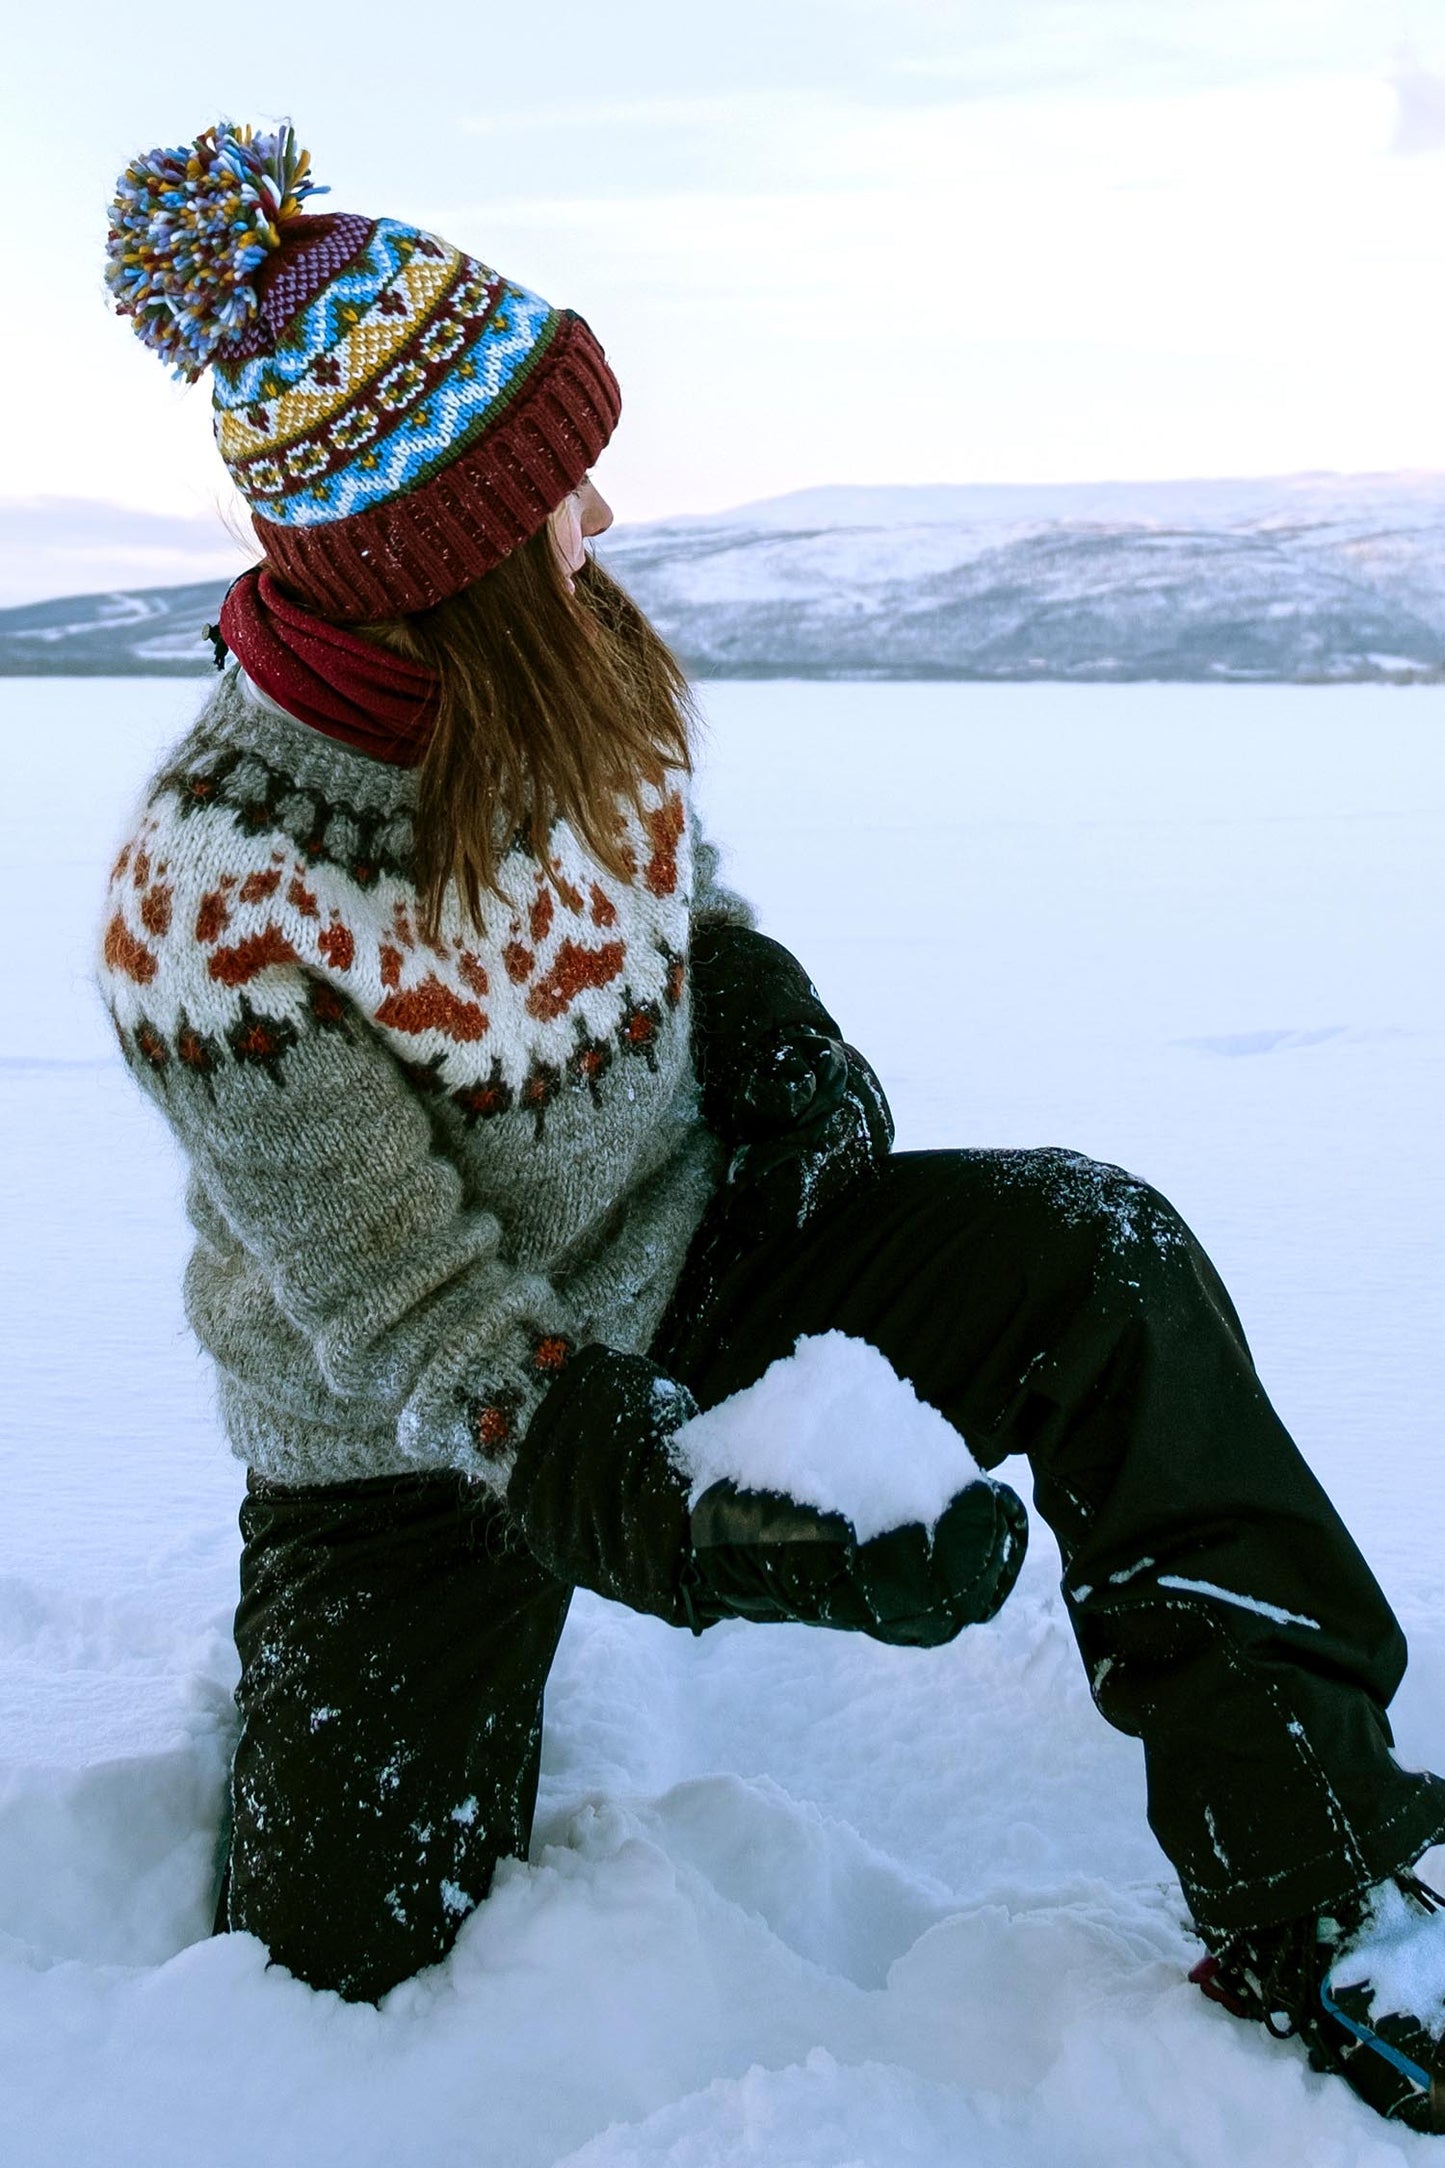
1308	580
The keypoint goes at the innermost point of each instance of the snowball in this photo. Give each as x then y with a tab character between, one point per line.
832	1425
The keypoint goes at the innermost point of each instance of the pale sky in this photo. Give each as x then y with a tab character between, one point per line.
822	240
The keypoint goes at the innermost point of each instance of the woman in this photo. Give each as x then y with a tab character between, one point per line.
512	1141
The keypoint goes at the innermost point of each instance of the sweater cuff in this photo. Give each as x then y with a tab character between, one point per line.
473	1416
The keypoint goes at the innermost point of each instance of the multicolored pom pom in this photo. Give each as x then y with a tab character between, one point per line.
189	228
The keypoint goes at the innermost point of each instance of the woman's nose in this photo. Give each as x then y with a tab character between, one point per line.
596	511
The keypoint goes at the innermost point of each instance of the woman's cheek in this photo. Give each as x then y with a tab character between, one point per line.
567	528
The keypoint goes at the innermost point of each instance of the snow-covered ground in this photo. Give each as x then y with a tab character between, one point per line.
796	1901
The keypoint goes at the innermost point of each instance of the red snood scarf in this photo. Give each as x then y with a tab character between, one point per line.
327	675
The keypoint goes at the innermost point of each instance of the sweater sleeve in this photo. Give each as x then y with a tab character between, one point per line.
317	1156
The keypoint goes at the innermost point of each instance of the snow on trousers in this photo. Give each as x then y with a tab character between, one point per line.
395	1638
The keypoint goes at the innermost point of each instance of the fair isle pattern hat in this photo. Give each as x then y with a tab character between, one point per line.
398	416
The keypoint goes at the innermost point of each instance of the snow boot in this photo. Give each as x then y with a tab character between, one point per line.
1362	1984
601	1502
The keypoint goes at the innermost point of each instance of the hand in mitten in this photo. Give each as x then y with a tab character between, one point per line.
595	1490
760	1555
804	1113
602	1502
799	1077
767	1051
780	1181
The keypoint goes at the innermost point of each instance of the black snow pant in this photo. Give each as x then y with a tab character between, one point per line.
395	1639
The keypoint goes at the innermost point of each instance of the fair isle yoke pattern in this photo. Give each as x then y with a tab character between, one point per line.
235	888
377	382
421	1169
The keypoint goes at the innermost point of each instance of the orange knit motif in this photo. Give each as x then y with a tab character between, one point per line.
213	917
236	966
542	913
155	909
573	969
337	945
472	973
124	953
433	1007
665	826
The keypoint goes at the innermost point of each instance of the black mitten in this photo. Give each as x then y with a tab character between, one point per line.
804	1113
849	1130
800	1078
756	1554
765	1048
601	1502
596	1493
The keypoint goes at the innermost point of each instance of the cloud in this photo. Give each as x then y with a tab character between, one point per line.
598	147
1420	110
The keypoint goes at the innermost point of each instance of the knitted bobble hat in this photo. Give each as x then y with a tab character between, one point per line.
398	416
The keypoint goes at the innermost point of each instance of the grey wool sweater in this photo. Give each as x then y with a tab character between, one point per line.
420	1172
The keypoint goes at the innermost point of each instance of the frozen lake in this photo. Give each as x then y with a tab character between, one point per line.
806	1900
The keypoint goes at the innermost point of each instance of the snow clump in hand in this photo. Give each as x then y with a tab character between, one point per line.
832	1426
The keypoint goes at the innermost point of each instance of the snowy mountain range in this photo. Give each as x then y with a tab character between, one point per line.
1311	578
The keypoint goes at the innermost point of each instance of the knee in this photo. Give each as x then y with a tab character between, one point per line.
1089	1209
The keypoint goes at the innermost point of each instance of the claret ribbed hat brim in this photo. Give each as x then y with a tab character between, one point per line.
411	551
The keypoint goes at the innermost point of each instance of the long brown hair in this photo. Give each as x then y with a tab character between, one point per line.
554	703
